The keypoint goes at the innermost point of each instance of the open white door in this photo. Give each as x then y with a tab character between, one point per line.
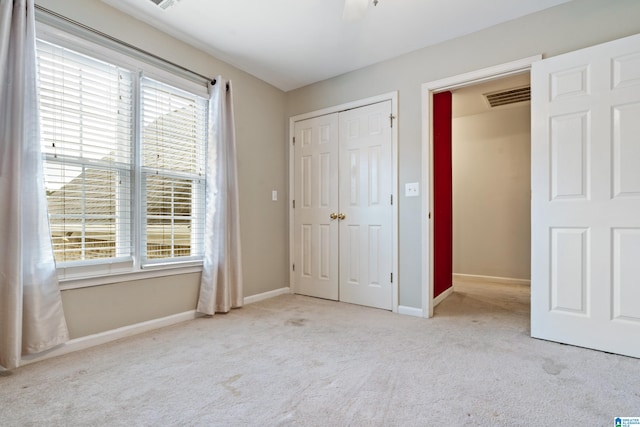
585	219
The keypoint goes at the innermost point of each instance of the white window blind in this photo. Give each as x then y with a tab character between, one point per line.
86	135
124	161
173	168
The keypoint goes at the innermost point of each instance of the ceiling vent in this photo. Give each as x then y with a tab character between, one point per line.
165	4
509	96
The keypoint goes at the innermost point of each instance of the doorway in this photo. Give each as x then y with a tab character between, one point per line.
482	183
491	181
430	299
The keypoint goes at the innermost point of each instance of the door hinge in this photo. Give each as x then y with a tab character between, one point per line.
391	117
294	140
294	267
391	277
392	200
294	204
429	215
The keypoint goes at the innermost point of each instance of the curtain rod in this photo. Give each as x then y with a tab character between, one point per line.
213	83
121	42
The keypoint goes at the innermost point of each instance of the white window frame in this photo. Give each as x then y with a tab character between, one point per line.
78	274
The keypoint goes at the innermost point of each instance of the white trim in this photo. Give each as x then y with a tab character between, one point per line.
393	97
482	75
291	189
490	279
437	300
83	282
266	295
410	311
343	107
442	296
427	91
89	341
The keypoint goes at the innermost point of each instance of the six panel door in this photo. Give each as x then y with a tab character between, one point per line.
585	267
365	200
316	198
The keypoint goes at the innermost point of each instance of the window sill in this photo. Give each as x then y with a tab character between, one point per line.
147	273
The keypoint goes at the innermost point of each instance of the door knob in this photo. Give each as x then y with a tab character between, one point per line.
341	216
333	216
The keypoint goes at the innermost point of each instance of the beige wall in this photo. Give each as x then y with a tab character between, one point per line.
261	139
492	193
568	27
102	308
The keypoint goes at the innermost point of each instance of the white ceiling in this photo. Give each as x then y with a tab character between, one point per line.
293	43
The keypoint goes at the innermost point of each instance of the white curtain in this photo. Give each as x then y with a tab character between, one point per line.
221	283
31	317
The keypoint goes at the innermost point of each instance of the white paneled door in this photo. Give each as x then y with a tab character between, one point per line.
585	279
316	206
343	206
365	202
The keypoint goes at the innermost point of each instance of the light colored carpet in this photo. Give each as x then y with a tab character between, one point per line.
295	360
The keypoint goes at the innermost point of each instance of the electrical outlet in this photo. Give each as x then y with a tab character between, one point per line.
412	189
274	195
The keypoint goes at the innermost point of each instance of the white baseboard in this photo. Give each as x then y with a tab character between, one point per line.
410	311
266	295
490	279
437	300
108	336
89	341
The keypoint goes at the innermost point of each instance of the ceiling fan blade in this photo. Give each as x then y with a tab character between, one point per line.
354	9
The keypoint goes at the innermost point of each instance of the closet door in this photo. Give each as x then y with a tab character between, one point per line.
366	246
343	209
316	206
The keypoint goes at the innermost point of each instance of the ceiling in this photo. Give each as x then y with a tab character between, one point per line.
293	43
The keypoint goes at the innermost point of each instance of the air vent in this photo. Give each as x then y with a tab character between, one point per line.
165	4
509	96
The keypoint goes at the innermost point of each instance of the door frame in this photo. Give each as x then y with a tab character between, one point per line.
427	91
390	96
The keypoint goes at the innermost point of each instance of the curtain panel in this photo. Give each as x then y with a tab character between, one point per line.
221	283
31	315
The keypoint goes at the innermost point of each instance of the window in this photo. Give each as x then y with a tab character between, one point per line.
173	142
124	162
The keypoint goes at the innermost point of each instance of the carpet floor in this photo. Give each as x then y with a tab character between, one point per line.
300	361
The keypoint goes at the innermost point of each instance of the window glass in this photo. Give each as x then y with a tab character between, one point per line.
111	157
173	148
86	135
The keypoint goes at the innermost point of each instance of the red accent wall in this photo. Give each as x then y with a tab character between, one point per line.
443	194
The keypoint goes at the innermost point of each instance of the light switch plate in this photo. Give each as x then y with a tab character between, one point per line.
412	189
274	195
